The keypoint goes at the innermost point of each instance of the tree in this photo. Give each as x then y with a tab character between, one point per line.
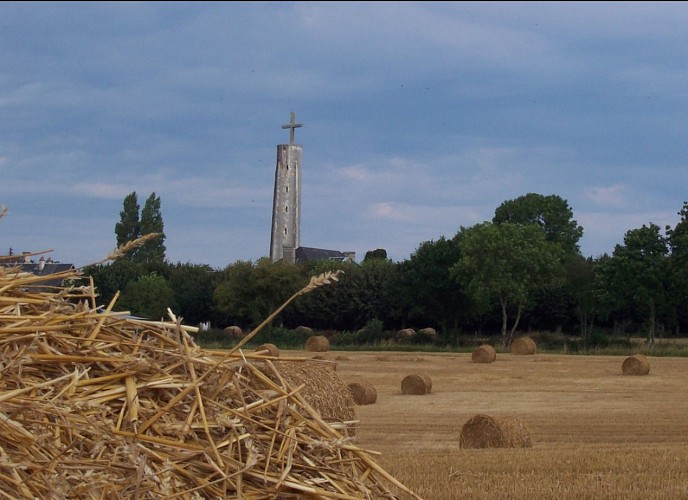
678	269
636	273
379	253
551	213
507	263
151	222
149	296
128	228
247	293
430	296
193	291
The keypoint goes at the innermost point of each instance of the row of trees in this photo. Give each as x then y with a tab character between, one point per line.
522	270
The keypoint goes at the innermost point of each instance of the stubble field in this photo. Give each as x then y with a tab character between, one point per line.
596	433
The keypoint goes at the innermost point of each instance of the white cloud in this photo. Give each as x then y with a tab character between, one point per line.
610	196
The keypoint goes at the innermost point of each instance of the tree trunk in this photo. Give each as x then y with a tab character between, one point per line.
505	339
513	328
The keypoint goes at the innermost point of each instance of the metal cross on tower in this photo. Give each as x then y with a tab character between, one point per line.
292	125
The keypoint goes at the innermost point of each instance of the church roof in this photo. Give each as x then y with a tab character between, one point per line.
42	269
304	254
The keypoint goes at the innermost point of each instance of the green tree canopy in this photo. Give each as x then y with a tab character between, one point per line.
128	228
636	273
551	213
428	293
151	222
507	263
149	296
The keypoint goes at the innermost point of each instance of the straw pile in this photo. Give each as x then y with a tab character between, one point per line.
484	354
268	350
94	405
523	345
638	364
364	393
484	431
416	384
317	343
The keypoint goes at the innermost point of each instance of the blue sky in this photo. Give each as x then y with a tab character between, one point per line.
419	118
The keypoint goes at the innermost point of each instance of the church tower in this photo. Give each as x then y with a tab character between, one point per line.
286	203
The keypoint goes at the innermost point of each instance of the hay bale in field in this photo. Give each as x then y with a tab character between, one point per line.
416	384
324	390
317	343
484	354
268	349
405	335
484	431
638	364
234	331
523	346
429	333
364	393
304	330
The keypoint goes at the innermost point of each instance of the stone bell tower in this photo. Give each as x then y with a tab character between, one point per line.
286	203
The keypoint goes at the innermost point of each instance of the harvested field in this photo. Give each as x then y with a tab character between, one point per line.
595	432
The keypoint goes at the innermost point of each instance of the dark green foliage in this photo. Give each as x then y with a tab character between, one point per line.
193	292
132	226
128	228
550	213
379	253
151	222
148	296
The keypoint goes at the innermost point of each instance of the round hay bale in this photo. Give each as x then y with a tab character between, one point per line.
428	381
234	331
405	335
638	364
523	346
271	349
364	393
317	343
324	390
416	384
428	333
484	354
304	330
484	431
326	361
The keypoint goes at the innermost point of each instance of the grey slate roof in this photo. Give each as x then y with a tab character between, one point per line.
48	269
304	254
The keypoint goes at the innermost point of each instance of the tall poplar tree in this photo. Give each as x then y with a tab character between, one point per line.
129	227
151	222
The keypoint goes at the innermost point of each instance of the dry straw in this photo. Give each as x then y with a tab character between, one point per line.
638	364
364	393
416	384
484	354
96	405
317	343
523	346
484	431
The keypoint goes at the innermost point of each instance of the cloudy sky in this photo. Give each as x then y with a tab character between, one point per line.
419	118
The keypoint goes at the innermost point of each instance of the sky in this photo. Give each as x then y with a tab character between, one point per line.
418	119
